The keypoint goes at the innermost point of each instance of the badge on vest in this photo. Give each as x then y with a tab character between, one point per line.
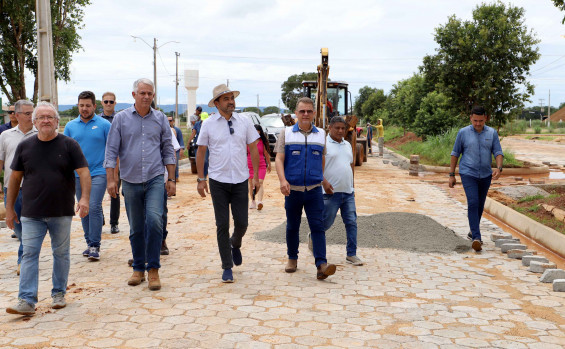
296	152
315	152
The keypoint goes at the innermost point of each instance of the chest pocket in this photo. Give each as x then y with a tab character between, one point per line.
316	153
295	158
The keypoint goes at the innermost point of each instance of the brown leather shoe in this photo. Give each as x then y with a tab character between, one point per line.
153	278
136	278
325	270
291	265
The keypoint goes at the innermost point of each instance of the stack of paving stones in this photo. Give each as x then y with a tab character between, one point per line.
414	165
536	264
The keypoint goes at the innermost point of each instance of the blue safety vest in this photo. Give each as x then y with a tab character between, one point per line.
303	156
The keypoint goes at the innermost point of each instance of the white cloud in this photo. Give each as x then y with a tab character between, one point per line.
257	44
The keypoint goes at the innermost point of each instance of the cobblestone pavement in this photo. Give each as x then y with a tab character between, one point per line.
397	299
534	150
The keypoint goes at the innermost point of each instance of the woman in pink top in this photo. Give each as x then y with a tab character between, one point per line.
264	168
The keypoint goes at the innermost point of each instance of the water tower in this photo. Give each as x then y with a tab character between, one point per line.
191	84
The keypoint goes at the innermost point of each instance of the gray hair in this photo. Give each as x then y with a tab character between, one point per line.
19	104
45	105
305	100
143	81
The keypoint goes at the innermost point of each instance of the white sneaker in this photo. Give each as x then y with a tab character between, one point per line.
354	260
22	308
253	205
58	301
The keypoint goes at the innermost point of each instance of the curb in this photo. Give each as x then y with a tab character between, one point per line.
444	169
549	238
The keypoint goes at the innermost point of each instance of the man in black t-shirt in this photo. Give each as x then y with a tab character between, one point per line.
47	162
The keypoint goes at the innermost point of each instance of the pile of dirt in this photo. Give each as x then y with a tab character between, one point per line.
397	230
408	137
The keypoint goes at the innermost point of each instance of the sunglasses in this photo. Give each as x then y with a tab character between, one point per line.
231	128
109	102
11	112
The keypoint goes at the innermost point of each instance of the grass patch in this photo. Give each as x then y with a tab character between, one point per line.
436	150
531	198
393	132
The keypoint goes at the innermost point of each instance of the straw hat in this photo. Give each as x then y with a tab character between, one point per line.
221	90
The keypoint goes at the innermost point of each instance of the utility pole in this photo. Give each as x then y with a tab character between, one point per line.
47	86
549	109
154	48
177	121
541	100
228	83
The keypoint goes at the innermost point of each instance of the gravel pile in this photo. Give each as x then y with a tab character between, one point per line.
398	230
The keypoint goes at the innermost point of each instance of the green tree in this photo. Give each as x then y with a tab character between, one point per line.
18	42
271	110
375	102
561	105
292	88
364	93
435	116
404	100
485	60
253	110
560	4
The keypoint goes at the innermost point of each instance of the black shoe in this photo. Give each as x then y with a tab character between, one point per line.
164	249
114	229
130	262
14	236
470	236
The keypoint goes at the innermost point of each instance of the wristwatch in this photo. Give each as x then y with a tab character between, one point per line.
201	180
171	180
500	168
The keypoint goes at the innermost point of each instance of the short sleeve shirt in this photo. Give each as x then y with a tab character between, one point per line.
228	151
48	167
9	141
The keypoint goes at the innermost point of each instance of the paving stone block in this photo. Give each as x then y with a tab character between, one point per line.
512	246
552	274
501	242
3	224
559	285
526	260
519	254
495	237
394	163
539	267
386	161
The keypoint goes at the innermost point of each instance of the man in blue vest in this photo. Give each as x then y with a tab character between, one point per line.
300	166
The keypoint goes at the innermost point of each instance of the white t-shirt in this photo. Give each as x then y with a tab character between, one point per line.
228	152
337	170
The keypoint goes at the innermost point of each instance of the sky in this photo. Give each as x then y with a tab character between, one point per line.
258	44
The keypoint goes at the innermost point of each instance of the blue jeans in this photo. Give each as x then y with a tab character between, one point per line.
144	207
346	204
476	190
313	205
92	223
177	164
33	233
165	212
17	226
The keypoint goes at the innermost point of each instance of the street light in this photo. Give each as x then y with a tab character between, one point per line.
154	48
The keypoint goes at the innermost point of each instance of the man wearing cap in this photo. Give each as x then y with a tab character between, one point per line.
226	135
13	121
196	116
380	136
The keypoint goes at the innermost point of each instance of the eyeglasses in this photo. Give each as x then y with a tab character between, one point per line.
45	118
170	120
307	111
231	129
11	112
109	102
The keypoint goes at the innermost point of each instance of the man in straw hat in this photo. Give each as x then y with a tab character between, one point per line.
226	135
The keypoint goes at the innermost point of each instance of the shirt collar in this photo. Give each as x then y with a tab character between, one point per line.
330	139
295	128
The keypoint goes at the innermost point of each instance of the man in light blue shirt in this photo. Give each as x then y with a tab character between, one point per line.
141	137
338	186
476	144
91	132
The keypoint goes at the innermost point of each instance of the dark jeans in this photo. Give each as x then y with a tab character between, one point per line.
165	212
224	194
144	207
115	206
476	190
313	204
